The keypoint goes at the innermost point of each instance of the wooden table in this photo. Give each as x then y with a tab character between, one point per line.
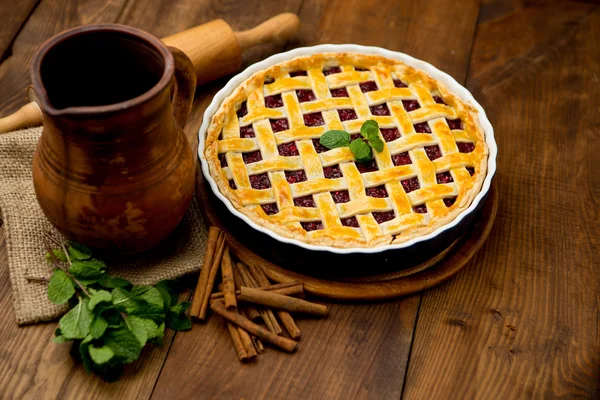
520	321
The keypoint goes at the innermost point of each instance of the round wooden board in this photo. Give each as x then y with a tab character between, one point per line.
389	285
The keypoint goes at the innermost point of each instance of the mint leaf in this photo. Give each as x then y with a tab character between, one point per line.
110	282
376	143
101	355
169	292
369	129
58	254
177	319
98	326
60	288
152	304
84	354
123	343
98	297
76	323
137	326
58	337
124	299
361	150
79	252
156	337
334	138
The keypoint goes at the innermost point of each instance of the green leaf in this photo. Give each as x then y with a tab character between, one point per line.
123	343
98	326
111	282
335	138
160	333
124	299
137	326
101	355
58	254
98	297
177	319
152	304
361	150
84	354
76	323
89	271
376	143
168	291
79	252
369	129
60	288
58	337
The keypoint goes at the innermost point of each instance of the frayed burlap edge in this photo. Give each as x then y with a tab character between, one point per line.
24	226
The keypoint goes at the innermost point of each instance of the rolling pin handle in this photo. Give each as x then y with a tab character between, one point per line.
27	116
280	28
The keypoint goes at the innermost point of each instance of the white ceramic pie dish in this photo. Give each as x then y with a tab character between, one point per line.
435	73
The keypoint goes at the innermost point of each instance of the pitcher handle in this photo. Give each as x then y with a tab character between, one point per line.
185	86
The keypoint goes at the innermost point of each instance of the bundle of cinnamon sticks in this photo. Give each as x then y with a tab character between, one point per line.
246	299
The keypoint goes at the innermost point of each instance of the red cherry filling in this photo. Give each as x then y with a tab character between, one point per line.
390	134
223	160
243	110
295	176
331	70
381	109
305	95
377	191
449	201
298	73
410	105
401	159
454	123
274	101
312	226
319	147
465	147
368	86
260	181
423	127
399	83
305	201
232	184
444	177
279	125
314	119
471	171
370	166
341	92
252	157
340	196
288	149
410	184
332	172
382	217
351	222
438	100
433	152
247	132
270	208
421	209
347	114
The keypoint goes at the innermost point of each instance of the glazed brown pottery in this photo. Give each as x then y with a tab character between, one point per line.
113	168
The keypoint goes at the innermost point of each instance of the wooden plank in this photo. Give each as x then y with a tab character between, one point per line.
522	321
13	16
359	350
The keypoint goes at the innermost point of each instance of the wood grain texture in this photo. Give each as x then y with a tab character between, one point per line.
13	15
523	322
359	351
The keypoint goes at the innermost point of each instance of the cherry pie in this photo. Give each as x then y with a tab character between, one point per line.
263	151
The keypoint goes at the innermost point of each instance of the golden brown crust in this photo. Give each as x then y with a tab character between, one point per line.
406	224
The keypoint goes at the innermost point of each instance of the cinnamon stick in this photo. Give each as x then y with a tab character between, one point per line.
267	315
280	302
228	282
251	311
282	342
212	274
247	342
258	345
211	246
286	289
289	324
237	342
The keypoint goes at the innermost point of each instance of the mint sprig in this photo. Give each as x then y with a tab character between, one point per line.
111	320
360	147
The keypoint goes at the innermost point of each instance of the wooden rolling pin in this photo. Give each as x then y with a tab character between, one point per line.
214	48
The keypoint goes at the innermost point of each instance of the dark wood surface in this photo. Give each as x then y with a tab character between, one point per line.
520	321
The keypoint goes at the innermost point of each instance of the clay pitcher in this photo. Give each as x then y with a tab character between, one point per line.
113	168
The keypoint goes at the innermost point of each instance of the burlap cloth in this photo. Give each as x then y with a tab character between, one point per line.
25	224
